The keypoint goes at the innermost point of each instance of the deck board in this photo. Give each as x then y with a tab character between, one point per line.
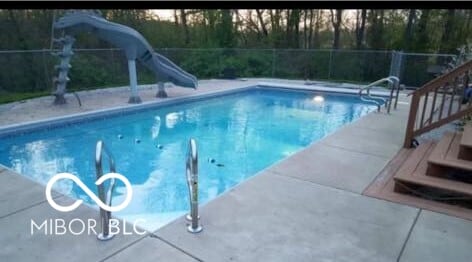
466	140
446	153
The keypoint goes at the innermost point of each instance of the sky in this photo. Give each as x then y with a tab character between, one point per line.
168	14
164	14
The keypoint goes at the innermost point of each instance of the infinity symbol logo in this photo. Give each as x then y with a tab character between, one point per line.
76	204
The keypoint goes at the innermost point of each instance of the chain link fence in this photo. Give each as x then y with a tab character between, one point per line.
32	71
416	69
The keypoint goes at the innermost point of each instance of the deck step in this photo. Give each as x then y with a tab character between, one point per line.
412	175
446	155
465	150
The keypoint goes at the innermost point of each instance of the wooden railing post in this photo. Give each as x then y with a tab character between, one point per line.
410	127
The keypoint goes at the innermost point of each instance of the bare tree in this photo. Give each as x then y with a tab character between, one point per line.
239	24
276	27
360	28
183	21
275	19
305	28
336	18
376	28
448	32
261	21
176	18
293	27
318	23
251	24
409	30
422	42
310	30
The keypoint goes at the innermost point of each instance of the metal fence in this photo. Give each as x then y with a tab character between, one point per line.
33	70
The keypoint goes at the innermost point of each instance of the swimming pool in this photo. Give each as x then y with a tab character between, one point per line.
238	134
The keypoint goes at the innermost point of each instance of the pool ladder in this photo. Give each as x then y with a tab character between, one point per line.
191	171
394	85
105	195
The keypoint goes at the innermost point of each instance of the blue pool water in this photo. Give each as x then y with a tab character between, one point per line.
237	135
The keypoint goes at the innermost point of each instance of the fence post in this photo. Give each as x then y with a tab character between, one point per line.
113	63
396	63
399	66
330	61
47	79
273	62
392	63
219	53
51	45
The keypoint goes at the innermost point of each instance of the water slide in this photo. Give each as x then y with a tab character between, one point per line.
134	45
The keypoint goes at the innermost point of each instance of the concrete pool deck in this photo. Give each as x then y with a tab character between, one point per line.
308	207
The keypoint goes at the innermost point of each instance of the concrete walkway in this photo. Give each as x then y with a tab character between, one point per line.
42	107
307	207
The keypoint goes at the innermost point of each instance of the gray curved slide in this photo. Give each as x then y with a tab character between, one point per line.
130	40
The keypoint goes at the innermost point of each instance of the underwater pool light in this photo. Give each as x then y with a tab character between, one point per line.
318	99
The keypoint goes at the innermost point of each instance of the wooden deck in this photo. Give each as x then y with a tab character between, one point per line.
446	154
416	172
465	151
412	170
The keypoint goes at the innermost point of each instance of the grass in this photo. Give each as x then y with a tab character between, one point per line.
8	97
12	97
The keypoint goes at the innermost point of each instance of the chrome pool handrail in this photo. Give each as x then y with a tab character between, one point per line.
394	84
105	197
191	170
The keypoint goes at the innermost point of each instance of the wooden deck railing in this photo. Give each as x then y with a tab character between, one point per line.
438	102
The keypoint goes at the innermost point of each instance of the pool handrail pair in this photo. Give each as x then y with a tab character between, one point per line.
104	195
394	86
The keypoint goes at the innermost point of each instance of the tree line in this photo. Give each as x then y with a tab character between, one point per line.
411	30
243	43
